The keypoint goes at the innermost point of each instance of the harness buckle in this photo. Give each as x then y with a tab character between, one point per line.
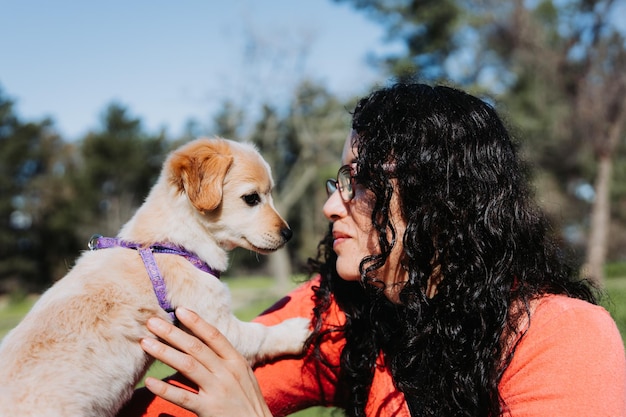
93	242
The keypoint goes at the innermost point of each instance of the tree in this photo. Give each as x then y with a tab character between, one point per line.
428	29
299	146
581	59
297	125
557	67
36	237
119	165
302	145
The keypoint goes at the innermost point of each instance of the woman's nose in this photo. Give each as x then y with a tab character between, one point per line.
334	207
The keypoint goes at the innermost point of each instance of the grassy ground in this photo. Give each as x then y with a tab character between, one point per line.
253	295
615	302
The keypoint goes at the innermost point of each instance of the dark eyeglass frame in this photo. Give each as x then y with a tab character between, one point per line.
344	183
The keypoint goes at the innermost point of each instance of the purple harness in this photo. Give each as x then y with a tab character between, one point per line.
147	255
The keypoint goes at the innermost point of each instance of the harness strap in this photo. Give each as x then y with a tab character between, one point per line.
158	284
147	256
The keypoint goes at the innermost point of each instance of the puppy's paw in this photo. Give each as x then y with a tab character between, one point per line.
294	333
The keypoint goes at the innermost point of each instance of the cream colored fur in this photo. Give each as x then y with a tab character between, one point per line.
77	351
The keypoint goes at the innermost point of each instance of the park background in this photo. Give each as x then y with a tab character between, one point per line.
93	96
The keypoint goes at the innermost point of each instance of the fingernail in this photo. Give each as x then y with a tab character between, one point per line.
182	312
148	343
155	323
149	382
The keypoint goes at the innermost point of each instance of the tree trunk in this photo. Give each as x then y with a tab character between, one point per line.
279	263
601	209
600	219
280	268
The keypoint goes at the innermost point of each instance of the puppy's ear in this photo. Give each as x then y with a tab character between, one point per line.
199	170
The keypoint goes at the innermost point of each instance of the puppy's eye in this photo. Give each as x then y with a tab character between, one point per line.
252	199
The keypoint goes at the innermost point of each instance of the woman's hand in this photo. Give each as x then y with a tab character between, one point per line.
227	385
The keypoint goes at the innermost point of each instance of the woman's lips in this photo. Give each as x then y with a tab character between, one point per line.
338	238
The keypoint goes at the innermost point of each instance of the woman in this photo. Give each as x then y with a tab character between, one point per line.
439	292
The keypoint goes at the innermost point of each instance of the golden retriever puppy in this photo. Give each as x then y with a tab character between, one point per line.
77	352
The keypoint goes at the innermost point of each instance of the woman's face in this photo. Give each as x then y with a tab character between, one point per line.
354	238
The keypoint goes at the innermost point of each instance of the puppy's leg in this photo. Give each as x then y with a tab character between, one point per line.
210	298
257	342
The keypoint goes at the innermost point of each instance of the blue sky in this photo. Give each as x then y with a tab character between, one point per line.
170	61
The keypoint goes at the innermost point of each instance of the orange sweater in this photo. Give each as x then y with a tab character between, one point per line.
571	362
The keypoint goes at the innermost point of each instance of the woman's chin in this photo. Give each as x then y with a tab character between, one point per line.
348	274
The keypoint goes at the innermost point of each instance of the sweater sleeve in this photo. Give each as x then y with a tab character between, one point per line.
570	362
296	383
288	384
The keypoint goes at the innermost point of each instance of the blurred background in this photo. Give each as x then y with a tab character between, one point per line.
93	95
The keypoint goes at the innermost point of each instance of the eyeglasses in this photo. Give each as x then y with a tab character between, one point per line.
344	183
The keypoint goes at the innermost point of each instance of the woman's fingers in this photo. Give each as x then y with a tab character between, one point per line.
230	369
210	335
188	365
227	385
183	352
206	349
182	397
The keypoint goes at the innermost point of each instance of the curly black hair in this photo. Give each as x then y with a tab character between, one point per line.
472	226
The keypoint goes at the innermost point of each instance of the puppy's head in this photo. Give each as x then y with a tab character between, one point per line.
229	184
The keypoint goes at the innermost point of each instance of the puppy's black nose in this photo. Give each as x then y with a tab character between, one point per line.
286	233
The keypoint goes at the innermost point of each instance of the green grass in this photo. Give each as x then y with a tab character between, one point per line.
11	312
615	302
253	295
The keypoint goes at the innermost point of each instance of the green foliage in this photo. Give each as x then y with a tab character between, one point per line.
120	163
615	302
615	270
533	62
12	310
427	28
229	121
35	202
618	188
54	195
299	141
62	193
522	58
555	70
